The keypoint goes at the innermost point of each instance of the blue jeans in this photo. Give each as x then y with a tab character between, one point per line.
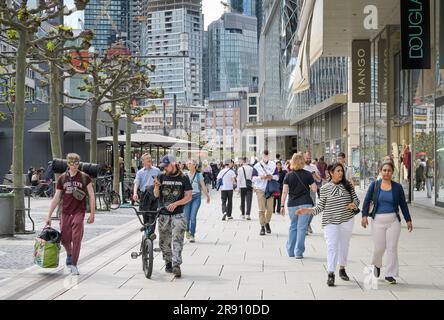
298	229
190	210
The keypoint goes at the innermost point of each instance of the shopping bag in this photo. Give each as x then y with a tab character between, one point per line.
47	248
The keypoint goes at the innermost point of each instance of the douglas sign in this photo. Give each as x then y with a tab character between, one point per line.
415	34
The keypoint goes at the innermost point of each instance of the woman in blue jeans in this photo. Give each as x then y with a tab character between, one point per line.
192	207
297	185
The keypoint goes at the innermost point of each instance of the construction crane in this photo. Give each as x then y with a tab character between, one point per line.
227	7
105	12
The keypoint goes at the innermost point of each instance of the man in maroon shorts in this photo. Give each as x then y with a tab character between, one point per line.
72	187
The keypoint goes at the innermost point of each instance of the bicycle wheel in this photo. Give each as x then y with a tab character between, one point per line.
147	257
112	200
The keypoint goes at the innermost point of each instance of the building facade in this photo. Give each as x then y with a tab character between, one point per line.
223	122
233	52
177	72
110	21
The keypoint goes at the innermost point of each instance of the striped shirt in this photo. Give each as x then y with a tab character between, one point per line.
333	203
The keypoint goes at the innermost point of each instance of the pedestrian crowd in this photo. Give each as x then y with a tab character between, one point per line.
300	187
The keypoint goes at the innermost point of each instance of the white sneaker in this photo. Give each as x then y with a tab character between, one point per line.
74	271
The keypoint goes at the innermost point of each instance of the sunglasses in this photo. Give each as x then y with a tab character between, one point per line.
76	162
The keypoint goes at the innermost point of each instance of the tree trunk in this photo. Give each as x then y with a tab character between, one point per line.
116	166
18	132
128	162
54	112
93	140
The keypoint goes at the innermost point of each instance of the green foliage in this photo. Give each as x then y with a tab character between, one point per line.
2	116
23	14
12	34
50	46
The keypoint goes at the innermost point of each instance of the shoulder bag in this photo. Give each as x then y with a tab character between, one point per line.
248	182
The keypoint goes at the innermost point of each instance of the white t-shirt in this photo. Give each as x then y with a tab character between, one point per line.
311	168
241	181
227	178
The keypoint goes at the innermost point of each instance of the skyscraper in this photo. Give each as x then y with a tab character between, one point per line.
109	19
166	22
252	8
233	52
206	66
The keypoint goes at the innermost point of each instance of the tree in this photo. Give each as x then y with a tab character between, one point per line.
21	24
58	54
133	84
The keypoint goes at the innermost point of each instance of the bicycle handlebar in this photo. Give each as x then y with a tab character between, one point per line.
138	213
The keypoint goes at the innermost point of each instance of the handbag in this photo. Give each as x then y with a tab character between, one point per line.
273	186
220	181
357	210
248	182
308	190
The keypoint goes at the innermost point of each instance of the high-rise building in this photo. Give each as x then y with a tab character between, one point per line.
110	21
135	23
252	8
206	66
166	23
233	52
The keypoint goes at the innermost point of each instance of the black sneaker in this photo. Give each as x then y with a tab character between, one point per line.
224	217
343	275
390	280
177	272
331	279
262	233
230	218
169	267
267	227
376	271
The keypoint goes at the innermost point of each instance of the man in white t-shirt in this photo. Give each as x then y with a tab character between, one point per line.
348	170
313	169
228	177
264	171
244	174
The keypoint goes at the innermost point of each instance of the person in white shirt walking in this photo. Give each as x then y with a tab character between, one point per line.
313	169
228	177
348	169
245	184
263	172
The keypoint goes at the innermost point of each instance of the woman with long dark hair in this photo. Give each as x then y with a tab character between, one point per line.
382	202
339	204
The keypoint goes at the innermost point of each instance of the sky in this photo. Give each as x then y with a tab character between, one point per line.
212	10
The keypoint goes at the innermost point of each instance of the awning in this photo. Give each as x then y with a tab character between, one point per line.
149	139
69	125
327	28
311	47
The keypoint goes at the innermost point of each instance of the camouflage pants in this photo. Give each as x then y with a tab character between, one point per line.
171	232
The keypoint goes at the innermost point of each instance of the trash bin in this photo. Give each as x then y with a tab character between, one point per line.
7	214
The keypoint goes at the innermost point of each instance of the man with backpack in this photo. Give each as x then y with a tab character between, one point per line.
73	186
225	182
245	184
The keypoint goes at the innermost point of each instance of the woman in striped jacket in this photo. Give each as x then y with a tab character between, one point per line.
339	204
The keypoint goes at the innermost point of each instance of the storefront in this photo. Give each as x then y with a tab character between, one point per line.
404	120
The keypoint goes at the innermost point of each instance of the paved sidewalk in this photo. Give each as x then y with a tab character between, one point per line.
231	261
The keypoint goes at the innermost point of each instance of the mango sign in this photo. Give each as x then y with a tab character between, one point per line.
80	63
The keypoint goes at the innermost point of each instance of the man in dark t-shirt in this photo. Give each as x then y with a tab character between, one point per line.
72	188
174	191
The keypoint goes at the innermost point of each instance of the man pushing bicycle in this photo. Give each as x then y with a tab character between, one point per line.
174	190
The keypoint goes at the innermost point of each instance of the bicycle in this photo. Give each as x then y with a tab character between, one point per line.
110	197
146	245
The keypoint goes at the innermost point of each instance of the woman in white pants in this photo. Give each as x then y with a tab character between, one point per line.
339	204
386	197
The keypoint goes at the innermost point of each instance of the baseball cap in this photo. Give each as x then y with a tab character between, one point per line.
166	160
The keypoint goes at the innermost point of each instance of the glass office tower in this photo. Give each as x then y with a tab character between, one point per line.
233	52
